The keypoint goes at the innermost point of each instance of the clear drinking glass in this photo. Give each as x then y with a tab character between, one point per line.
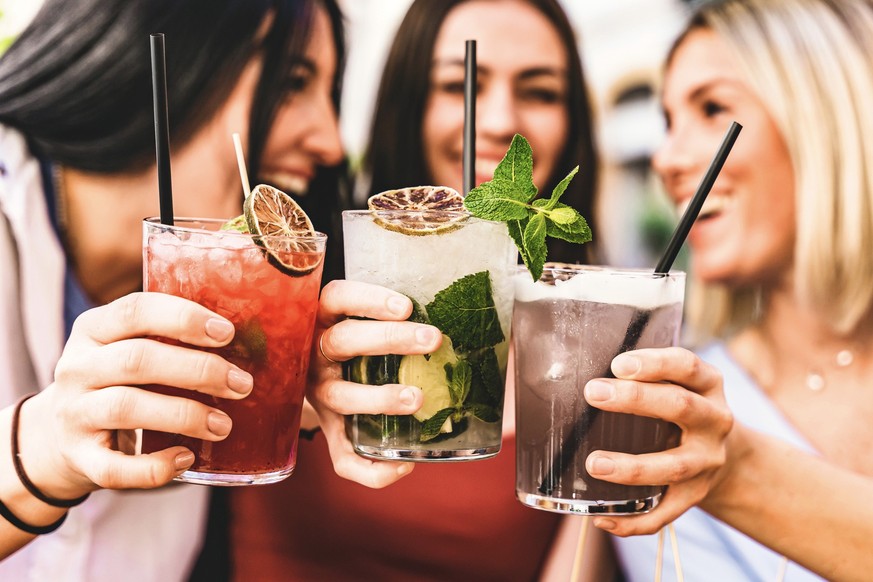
458	271
567	327
274	316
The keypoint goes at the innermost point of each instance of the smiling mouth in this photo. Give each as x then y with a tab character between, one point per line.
712	207
288	183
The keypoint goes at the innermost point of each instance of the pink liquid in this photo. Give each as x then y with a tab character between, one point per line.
274	316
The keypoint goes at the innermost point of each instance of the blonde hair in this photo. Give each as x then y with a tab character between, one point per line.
810	62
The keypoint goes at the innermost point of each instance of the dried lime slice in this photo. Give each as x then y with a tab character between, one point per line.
419	210
279	223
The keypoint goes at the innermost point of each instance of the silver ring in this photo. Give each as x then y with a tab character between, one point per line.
321	349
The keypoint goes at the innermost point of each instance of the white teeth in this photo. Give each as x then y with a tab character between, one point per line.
288	183
712	205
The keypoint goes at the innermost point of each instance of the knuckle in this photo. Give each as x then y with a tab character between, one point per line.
683	403
207	369
136	358
119	405
129	309
678	469
634	470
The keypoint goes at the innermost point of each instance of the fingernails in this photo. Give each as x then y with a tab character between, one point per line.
219	329
398	305
240	381
598	391
601	466
626	366
605	524
218	423
404	469
408	395
426	336
183	460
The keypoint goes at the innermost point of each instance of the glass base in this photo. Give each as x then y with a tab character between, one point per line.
233	479
426	455
588	507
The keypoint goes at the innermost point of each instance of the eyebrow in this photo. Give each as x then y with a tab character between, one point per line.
708	85
525	74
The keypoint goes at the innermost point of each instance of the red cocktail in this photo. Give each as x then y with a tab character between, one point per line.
274	316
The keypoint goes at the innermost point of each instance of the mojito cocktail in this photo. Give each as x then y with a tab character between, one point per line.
567	328
458	271
274	316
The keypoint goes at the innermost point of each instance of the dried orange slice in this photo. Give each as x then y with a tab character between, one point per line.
419	210
283	230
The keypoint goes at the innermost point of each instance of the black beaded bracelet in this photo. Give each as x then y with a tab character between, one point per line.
25	480
26	527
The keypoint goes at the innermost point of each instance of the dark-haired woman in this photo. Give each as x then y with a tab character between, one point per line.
76	178
458	521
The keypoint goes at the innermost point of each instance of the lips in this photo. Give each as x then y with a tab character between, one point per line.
288	182
715	204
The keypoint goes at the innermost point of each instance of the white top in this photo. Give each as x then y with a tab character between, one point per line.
708	549
133	536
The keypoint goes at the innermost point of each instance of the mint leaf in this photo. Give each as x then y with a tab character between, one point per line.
574	232
487	387
561	188
460	379
430	428
465	312
498	199
510	196
517	167
485	413
535	245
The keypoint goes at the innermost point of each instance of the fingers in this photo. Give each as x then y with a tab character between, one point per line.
676	365
126	407
142	361
352	337
341	298
666	401
115	470
152	314
673	504
349	398
349	465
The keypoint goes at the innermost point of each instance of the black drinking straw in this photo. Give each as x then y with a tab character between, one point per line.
162	126
469	116
640	318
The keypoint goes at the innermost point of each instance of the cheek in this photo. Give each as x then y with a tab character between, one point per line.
547	142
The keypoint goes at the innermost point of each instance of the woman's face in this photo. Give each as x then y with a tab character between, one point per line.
522	88
304	134
746	230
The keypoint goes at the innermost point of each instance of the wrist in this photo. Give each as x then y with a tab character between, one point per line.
728	489
40	464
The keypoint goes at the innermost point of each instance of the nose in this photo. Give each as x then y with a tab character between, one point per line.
674	157
496	111
323	140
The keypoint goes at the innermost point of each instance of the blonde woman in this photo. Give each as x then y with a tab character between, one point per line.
782	254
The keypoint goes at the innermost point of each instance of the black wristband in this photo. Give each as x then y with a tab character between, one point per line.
26	527
25	480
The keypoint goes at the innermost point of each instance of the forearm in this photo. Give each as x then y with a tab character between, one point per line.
16	498
801	506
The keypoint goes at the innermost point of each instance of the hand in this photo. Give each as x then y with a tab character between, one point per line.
74	435
675	385
340	339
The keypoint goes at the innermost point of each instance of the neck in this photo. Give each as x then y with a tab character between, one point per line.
102	226
792	344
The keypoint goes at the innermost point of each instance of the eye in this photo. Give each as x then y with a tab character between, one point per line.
452	87
712	108
542	95
298	78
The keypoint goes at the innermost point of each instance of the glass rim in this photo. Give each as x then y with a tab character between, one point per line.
155	222
416	212
577	268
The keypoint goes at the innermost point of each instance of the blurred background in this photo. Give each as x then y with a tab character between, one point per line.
623	44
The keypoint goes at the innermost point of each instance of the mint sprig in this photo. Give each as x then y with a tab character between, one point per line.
511	197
